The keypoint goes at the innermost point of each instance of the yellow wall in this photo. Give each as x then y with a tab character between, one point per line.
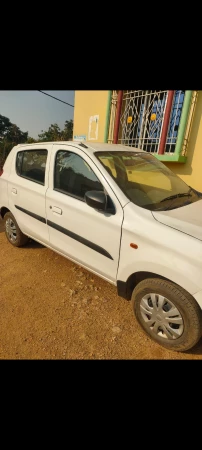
191	171
91	103
88	104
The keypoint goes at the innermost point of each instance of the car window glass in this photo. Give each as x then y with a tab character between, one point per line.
146	181
31	164
74	176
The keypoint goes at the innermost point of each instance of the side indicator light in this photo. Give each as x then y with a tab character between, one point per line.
133	245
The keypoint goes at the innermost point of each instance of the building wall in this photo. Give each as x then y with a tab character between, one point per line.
90	114
89	104
191	171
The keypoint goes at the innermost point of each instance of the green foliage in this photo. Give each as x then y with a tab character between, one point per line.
67	133
30	140
9	132
5	125
54	133
11	135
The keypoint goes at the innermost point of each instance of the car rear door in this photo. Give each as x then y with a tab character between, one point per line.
27	185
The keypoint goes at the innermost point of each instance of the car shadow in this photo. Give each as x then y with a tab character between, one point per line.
1	226
34	244
196	350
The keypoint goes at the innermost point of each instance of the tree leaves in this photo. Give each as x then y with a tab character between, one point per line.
11	135
54	133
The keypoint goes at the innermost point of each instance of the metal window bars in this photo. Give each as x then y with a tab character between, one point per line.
142	118
174	122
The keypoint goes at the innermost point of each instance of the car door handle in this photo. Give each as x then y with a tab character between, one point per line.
14	191
57	210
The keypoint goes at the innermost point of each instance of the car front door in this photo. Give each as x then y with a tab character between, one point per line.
78	231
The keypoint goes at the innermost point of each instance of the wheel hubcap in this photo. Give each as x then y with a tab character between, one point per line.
11	230
161	316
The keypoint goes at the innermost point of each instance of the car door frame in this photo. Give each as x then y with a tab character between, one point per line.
17	183
100	175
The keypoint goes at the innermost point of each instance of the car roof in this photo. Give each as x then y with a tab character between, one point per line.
100	147
91	146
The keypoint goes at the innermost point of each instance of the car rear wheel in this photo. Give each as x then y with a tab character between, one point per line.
167	313
13	232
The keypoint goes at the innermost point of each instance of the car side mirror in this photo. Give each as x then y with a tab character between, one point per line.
96	199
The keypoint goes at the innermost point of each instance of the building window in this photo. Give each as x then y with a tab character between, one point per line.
174	121
142	119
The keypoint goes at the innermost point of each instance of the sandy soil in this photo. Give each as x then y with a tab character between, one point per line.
52	309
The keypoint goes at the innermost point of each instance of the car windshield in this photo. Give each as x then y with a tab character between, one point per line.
146	181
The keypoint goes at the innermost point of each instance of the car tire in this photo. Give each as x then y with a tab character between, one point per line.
167	313
13	232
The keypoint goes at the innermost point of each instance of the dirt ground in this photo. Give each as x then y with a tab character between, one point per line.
51	308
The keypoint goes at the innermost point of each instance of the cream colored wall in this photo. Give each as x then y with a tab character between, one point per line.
191	171
88	104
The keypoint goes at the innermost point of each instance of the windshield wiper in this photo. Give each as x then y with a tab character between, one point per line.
172	197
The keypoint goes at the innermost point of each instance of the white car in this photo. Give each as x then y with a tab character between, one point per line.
123	215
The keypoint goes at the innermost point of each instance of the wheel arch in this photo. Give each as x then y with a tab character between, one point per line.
3	211
125	288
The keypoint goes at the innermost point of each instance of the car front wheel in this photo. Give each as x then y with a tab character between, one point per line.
167	313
